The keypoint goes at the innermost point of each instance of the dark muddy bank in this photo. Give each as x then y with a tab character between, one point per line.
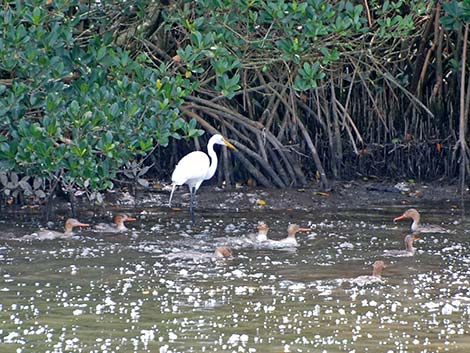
355	194
210	198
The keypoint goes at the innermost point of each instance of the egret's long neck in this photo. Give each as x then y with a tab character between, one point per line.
214	160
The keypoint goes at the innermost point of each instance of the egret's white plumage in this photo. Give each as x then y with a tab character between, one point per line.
198	163
196	167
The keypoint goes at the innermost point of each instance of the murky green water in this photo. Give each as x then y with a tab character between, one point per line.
117	294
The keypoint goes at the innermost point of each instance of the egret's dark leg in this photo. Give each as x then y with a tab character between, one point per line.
192	192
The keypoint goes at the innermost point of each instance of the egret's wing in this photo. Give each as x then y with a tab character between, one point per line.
191	168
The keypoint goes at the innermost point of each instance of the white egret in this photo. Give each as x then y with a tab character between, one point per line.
196	167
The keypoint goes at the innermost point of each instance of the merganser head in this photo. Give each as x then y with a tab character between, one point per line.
72	222
414	215
293	229
262	227
223	251
378	267
409	240
410	213
121	218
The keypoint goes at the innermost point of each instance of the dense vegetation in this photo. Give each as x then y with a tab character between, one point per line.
92	93
77	112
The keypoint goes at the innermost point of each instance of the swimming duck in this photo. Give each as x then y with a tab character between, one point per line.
409	249
221	252
290	240
47	234
117	225
376	276
416	226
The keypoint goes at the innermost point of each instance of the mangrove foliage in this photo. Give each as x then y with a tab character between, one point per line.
99	93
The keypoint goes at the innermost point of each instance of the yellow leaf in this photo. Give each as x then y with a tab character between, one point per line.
261	202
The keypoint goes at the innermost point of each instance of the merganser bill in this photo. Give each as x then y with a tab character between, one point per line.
416	226
46	234
376	276
117	225
410	250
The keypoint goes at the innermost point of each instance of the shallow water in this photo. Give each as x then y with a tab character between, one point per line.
115	293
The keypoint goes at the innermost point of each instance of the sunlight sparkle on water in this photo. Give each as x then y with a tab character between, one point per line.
120	294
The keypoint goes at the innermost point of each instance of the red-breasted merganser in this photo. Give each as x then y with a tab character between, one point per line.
376	276
416	226
290	240
117	225
262	234
409	249
250	239
46	234
221	252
